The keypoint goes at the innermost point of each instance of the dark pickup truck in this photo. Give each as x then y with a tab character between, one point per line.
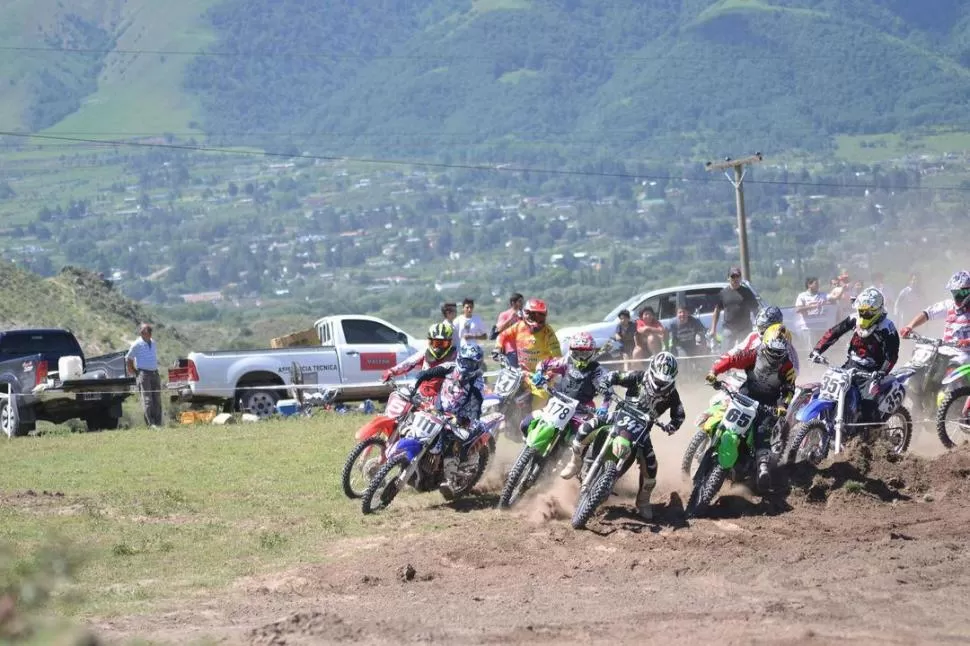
32	391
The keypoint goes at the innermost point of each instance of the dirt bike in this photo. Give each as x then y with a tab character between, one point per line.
935	379
544	443
833	414
509	397
731	451
417	457
368	455
707	423
611	454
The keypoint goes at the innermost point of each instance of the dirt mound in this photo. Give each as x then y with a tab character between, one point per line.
303	628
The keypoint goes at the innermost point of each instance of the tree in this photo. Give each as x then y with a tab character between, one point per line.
232	189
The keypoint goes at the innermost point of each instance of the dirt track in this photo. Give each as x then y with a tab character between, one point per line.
886	564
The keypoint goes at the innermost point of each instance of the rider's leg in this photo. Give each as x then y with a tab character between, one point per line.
647	462
584	436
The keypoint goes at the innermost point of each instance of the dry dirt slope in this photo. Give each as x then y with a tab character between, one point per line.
881	562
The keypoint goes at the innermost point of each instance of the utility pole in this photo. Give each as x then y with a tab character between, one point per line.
738	181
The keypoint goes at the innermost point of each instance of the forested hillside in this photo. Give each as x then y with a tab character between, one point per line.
671	76
506	78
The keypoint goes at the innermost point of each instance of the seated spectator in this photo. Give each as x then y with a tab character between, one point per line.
650	336
687	334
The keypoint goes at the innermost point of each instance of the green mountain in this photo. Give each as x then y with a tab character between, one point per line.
462	78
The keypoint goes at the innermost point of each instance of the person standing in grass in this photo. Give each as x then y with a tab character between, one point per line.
142	361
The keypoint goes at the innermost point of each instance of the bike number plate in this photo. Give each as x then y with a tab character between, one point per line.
922	356
890	401
739	416
834	384
507	383
424	426
629	423
559	410
397	405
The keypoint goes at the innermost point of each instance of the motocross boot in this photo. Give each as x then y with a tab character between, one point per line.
644	508
449	469
764	472
575	461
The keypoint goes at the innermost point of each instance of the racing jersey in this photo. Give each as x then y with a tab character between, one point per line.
462	398
657	403
764	383
877	351
581	385
528	348
423	361
956	324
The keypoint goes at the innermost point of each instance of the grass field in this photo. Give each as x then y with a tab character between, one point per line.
158	515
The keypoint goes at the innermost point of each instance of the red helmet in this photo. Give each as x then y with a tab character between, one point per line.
535	314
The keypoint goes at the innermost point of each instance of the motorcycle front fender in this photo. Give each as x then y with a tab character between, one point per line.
378	425
406	445
957	376
815	409
728	450
541	436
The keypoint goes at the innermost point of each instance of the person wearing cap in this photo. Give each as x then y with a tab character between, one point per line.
738	305
142	361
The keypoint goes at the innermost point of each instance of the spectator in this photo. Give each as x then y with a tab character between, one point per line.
649	339
687	334
450	311
909	303
142	361
626	332
470	327
509	317
812	316
739	305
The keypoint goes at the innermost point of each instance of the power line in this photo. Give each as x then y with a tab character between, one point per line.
501	167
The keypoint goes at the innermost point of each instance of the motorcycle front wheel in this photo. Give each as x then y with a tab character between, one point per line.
808	443
362	464
595	495
385	485
953	418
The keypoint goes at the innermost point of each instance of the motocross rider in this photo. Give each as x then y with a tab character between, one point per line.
441	349
653	389
581	377
529	341
769	380
767	316
873	348
954	311
461	395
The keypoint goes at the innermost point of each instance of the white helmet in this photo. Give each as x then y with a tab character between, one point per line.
959	288
870	308
661	375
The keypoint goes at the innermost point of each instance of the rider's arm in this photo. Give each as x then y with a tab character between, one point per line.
407	365
715	318
834	333
553	342
892	351
741	360
627	380
788	375
677	414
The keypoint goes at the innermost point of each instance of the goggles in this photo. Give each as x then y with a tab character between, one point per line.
867	313
538	317
960	295
582	355
439	344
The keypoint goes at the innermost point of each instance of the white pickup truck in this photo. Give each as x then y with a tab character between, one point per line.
353	352
700	300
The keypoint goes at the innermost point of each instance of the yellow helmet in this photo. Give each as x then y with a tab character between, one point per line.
775	343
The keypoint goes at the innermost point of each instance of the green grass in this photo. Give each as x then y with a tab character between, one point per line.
881	147
160	515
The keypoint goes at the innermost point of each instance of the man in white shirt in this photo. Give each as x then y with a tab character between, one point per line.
470	327
142	361
813	316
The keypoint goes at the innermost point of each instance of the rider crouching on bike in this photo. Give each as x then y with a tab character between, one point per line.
873	348
581	378
461	395
441	350
653	389
769	380
955	313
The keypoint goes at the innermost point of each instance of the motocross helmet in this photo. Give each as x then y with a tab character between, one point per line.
660	377
469	360
440	339
582	347
774	344
535	313
768	316
870	310
959	288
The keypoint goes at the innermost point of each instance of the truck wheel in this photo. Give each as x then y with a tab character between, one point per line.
261	403
8	423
